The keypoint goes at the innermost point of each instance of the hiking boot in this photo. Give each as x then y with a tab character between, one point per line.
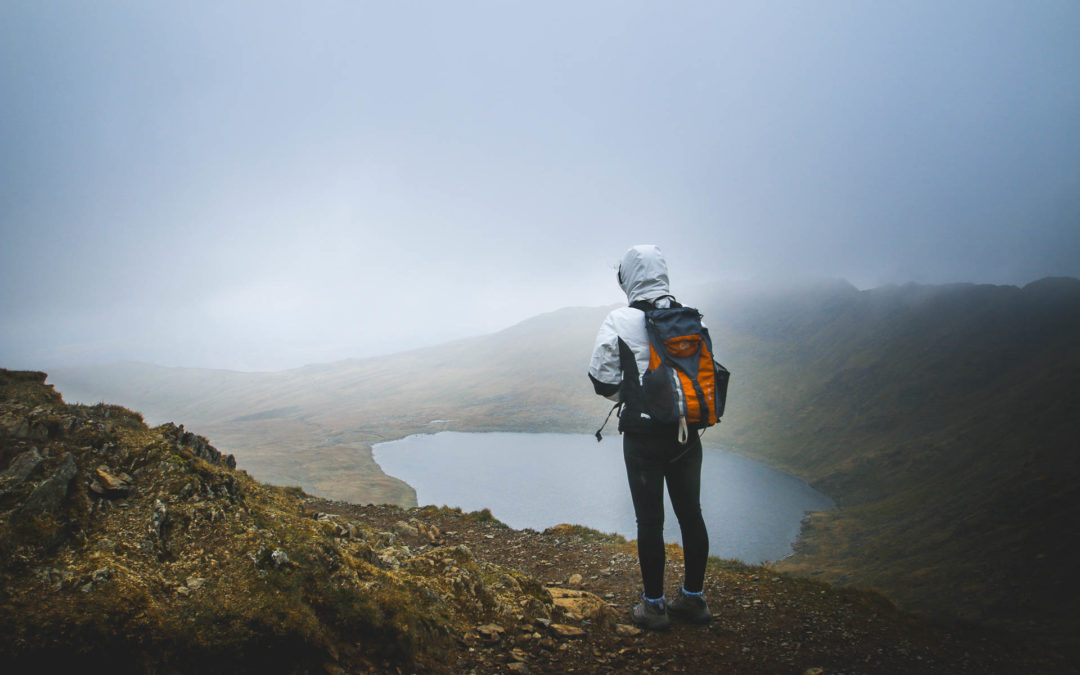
651	615
692	608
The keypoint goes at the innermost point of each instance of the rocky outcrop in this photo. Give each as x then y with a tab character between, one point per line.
197	445
143	550
47	497
21	468
117	538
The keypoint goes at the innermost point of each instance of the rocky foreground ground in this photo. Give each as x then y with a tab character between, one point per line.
764	622
144	550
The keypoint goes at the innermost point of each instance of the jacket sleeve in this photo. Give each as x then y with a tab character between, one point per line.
604	369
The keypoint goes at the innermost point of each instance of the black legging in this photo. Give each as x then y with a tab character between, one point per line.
648	464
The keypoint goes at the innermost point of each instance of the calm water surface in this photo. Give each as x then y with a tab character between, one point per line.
753	511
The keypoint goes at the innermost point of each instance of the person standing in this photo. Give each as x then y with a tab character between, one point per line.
653	451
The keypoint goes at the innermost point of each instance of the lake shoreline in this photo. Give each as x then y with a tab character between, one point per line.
755	512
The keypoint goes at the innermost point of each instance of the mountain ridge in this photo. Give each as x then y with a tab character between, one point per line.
889	400
145	550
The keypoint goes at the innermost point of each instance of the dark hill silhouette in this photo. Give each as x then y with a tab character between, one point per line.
942	419
138	549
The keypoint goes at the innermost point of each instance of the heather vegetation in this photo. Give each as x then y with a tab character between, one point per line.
145	550
143	547
942	420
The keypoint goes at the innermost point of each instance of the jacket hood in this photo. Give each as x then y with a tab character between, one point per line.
643	274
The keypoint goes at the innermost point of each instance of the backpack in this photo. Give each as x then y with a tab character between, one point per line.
683	383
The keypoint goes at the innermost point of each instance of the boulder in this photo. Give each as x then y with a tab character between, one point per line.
20	469
47	498
279	558
107	484
490	631
405	530
581	604
387	560
158	516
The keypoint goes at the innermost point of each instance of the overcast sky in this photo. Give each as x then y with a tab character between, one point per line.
260	185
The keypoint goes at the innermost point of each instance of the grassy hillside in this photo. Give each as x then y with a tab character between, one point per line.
314	426
942	419
145	549
142	549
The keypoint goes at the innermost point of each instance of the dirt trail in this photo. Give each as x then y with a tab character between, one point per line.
765	622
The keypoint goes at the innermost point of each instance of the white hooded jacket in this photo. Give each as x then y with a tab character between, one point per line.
642	276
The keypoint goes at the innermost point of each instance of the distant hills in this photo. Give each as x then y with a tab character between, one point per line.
942	419
146	549
314	426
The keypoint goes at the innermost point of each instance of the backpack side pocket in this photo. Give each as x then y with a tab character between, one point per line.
663	395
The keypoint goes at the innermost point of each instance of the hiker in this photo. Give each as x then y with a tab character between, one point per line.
654	452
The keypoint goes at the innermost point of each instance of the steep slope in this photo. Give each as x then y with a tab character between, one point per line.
941	418
314	426
944	420
143	550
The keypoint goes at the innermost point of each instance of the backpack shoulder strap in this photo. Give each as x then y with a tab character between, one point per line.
647	306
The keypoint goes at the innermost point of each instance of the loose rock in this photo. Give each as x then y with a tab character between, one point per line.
580	603
109	485
490	631
279	558
566	631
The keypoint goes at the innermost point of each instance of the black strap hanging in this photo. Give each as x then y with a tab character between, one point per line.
598	436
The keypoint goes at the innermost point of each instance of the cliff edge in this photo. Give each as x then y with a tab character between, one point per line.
146	550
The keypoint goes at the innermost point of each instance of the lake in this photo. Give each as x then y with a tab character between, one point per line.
753	512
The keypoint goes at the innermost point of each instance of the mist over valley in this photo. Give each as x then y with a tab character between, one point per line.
248	243
939	418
